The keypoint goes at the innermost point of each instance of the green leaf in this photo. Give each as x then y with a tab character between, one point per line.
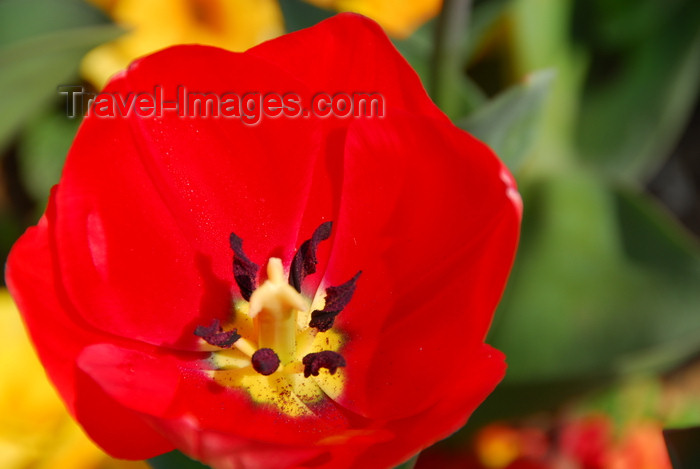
417	49
25	19
513	401
683	447
33	68
174	460
299	15
509	122
642	88
559	316
42	148
539	38
652	237
587	298
656	245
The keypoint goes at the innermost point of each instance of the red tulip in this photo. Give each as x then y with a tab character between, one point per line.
156	341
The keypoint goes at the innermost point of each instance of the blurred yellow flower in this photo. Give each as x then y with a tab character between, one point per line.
399	18
231	24
35	429
155	24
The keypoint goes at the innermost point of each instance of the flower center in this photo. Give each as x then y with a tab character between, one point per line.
280	345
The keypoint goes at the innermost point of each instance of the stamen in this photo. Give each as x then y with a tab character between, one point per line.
328	359
304	262
215	335
337	298
275	318
245	271
245	346
265	361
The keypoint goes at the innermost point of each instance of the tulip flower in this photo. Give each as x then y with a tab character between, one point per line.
298	291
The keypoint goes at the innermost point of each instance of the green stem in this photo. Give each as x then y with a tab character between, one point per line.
448	54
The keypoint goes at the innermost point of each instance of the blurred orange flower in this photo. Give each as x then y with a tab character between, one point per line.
155	24
497	445
589	441
399	18
35	429
642	447
230	24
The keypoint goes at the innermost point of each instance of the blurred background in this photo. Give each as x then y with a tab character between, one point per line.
593	105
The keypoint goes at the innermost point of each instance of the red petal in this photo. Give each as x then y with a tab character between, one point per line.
435	242
401	439
233	412
365	62
370	64
146	206
122	433
224	450
59	338
29	270
466	391
144	382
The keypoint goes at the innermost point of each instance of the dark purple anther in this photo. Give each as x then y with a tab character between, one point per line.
265	361
313	362
304	262
337	298
245	271
215	335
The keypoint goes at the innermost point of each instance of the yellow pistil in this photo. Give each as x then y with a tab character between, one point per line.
274	306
